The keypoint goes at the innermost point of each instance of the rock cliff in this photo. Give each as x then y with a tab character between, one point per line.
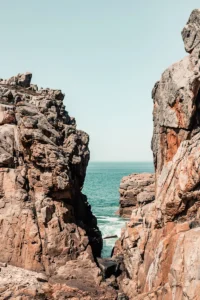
160	245
135	190
46	224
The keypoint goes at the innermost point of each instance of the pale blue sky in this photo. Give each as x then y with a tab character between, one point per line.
105	55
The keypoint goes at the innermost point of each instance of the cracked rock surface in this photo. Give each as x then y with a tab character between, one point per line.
46	223
134	190
160	245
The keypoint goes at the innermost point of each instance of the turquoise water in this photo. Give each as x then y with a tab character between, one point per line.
101	187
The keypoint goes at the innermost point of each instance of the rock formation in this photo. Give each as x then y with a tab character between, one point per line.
21	284
161	243
46	224
135	189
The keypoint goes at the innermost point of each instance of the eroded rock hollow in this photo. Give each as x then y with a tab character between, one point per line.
161	243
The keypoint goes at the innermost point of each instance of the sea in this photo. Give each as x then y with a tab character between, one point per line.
102	189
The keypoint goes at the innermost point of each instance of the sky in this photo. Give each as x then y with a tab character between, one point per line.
105	55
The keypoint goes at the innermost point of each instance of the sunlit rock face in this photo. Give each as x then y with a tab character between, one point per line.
45	220
161	243
135	190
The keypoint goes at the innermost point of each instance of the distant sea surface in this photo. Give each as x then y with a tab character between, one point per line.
102	189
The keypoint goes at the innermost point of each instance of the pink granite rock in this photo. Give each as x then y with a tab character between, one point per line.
134	190
160	244
46	223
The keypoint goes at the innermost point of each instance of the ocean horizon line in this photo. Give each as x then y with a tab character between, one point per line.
119	161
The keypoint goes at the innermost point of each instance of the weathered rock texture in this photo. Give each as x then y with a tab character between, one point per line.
21	284
135	190
45	220
161	243
46	224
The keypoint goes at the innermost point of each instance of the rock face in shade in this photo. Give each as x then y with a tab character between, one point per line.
135	190
46	224
161	243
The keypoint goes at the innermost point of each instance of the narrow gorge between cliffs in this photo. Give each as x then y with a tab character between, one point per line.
102	189
61	237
